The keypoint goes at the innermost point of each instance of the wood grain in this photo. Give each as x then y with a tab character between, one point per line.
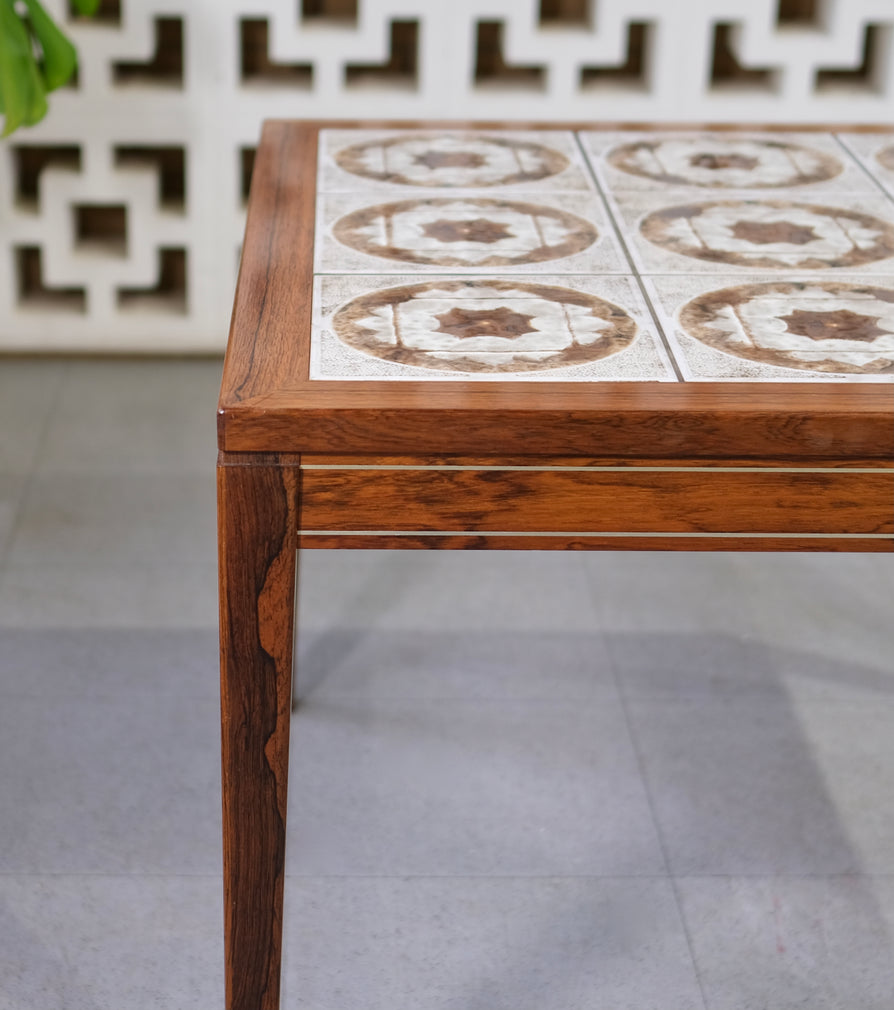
786	420
596	542
581	124
257	520
344	461
273	291
587	501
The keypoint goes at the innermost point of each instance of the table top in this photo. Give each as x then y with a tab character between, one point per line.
477	290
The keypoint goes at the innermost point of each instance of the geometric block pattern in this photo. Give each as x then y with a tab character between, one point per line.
482	272
121	213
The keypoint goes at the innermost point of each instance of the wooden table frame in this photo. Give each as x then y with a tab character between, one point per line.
611	465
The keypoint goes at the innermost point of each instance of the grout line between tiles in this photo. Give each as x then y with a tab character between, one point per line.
215	876
854	157
635	273
48	419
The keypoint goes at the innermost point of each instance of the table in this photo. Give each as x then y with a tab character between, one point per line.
459	336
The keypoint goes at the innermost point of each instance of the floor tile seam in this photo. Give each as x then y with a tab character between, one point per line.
107	875
127	694
114	565
125	472
628	254
756	699
816	875
309	701
508	877
659	833
46	423
323	704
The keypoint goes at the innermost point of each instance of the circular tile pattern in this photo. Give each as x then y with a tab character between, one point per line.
824	326
771	235
721	162
484	326
451	159
886	157
465	231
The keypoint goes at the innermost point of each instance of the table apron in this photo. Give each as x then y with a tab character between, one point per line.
683	503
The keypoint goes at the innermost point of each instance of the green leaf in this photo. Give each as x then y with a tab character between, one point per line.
59	56
87	7
22	90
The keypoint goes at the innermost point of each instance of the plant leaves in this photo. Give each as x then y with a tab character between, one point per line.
22	90
59	56
87	7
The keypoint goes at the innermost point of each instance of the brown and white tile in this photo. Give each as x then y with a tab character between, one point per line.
466	231
739	232
771	329
875	152
771	164
574	329
420	161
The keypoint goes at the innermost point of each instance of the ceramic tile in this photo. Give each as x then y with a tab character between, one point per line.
108	942
674	665
133	416
109	519
486	945
434	787
12	486
853	750
679	232
487	664
80	594
827	619
402	161
468	231
110	785
128	663
28	393
766	329
876	153
709	664
445	591
683	592
773	165
780	943
394	327
737	788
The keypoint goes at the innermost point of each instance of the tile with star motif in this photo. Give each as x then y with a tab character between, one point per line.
557	327
771	329
416	162
469	231
790	165
744	232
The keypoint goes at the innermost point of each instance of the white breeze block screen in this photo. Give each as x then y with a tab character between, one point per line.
121	213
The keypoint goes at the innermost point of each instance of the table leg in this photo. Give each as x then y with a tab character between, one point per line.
257	517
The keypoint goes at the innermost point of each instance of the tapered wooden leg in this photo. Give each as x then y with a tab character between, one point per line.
257	517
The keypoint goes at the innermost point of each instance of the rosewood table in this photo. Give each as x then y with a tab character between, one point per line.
465	337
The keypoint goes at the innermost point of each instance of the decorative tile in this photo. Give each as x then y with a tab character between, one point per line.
778	330
757	235
774	164
876	153
408	161
467	231
587	329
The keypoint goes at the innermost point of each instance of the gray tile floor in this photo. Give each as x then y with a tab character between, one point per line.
526	781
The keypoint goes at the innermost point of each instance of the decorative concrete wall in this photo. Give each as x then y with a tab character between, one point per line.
121	213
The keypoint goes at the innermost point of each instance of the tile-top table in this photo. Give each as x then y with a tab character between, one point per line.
471	337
